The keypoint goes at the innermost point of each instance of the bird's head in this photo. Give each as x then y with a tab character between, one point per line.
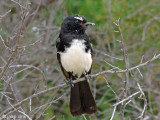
75	24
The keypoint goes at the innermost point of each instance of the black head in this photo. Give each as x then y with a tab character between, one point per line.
75	24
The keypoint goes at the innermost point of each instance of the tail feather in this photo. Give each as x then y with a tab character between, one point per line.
87	99
75	101
81	99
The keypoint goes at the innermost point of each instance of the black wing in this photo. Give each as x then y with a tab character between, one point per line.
59	47
92	59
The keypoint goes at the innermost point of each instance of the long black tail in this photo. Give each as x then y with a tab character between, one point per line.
81	99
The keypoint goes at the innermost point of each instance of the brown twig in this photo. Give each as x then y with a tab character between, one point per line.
81	79
15	50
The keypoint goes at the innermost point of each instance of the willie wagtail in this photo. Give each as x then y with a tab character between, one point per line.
75	54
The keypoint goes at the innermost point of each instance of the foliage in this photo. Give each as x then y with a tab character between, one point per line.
140	25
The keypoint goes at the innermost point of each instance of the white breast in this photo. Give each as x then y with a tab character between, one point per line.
75	59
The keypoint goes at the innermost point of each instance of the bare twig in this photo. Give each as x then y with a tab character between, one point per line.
124	58
15	50
111	88
81	79
19	4
144	98
4	43
2	16
127	98
103	53
114	109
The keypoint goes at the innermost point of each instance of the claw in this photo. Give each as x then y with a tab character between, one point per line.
86	77
70	82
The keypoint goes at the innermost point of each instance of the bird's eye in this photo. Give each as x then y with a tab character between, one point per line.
77	21
84	21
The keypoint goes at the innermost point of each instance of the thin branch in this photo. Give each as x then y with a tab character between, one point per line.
27	67
19	4
2	16
81	79
114	109
129	97
15	50
111	88
33	96
124	58
103	53
144	98
5	45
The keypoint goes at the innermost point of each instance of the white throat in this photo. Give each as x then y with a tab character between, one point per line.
75	59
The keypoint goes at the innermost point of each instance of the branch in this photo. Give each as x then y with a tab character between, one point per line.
129	97
33	96
17	37
132	68
81	79
103	53
2	16
126	67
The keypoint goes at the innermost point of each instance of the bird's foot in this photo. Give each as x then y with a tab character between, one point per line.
86	77
70	82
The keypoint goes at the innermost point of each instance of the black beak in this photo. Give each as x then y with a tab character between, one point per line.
89	23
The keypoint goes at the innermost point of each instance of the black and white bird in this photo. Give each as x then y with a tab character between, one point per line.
75	56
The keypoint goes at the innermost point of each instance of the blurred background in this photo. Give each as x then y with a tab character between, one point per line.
28	63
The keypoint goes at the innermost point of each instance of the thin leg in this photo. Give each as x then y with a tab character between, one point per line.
86	76
70	82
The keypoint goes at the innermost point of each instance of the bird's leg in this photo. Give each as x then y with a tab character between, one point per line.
66	81
70	82
86	76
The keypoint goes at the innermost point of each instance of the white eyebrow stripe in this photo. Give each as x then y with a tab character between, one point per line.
79	18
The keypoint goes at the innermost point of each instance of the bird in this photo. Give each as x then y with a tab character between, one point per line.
75	56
